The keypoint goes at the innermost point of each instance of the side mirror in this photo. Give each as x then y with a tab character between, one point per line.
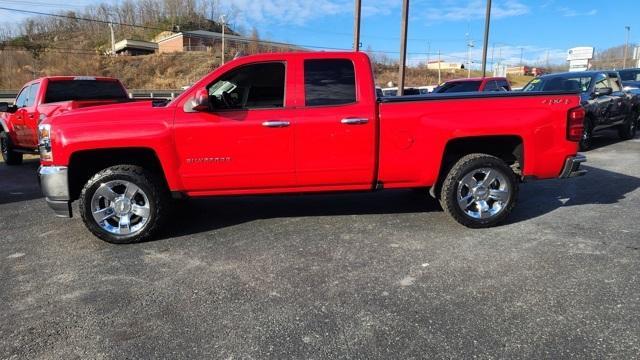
200	102
603	92
8	108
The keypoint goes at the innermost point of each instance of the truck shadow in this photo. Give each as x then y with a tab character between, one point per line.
20	182
536	199
597	187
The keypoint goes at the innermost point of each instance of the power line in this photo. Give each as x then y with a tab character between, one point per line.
106	22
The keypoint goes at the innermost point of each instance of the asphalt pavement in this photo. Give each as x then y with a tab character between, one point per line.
381	275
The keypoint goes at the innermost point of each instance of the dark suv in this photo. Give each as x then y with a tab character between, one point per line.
603	97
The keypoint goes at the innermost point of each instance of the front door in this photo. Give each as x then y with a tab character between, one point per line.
17	118
336	128
31	117
245	141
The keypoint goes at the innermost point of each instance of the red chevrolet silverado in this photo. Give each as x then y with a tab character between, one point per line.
303	123
46	97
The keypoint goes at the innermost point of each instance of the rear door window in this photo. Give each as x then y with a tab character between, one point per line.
329	82
614	82
67	90
33	93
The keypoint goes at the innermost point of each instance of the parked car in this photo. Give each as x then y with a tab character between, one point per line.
630	79
393	91
487	84
603	98
46	97
303	123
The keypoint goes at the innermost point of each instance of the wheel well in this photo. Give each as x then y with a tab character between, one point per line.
84	164
509	148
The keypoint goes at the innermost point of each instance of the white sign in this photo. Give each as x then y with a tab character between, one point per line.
580	53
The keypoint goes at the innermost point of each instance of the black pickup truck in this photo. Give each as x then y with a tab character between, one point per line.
603	97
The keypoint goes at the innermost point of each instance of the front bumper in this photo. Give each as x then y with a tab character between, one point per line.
54	182
572	167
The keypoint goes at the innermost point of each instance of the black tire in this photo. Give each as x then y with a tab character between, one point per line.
628	129
9	156
151	185
586	141
453	183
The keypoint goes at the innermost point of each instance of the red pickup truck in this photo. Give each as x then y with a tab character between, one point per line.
303	123
45	97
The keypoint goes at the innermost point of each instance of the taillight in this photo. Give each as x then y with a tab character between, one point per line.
575	124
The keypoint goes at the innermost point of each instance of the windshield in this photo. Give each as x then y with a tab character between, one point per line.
67	90
457	87
559	83
630	75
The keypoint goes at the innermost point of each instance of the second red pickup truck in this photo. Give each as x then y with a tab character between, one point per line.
303	123
46	97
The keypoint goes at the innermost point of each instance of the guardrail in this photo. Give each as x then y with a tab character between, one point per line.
10	95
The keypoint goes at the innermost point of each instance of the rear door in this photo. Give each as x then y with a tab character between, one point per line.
336	126
619	104
604	102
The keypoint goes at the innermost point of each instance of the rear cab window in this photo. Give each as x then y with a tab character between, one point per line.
329	82
67	90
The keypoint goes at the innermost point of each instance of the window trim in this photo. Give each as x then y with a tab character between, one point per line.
355	84
284	100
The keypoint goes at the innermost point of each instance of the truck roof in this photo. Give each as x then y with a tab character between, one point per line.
66	78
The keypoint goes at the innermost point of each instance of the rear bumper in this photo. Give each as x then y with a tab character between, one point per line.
54	183
572	167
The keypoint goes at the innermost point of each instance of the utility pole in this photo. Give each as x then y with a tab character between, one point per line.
439	69
626	47
356	25
521	56
224	25
469	46
404	26
113	39
487	21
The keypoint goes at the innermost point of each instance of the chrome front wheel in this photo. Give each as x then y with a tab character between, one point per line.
120	207
124	204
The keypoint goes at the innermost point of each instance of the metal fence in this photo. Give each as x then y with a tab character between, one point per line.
10	95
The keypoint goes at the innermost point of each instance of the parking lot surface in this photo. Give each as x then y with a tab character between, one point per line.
376	275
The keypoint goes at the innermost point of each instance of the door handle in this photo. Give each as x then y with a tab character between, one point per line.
354	121
276	124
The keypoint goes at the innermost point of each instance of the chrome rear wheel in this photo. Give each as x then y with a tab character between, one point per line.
483	193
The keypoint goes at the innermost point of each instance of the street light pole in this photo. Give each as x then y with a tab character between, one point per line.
487	22
356	25
403	45
626	47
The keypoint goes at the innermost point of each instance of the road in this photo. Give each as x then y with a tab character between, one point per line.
383	275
